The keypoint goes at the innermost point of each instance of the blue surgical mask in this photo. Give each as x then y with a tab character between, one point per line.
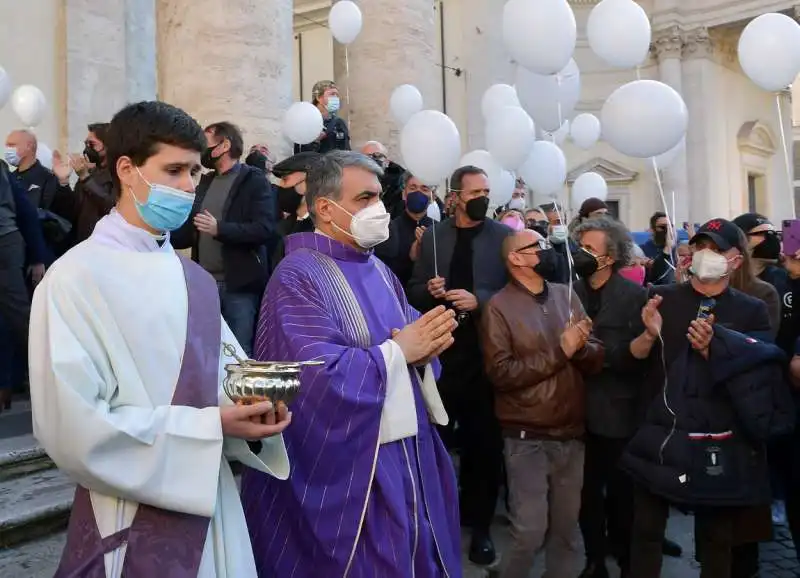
166	208
333	104
11	156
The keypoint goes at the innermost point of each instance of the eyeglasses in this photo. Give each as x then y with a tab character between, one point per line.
541	245
378	157
767	233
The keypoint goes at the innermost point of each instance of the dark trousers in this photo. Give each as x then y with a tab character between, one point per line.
606	501
15	304
240	311
473	429
784	461
714	535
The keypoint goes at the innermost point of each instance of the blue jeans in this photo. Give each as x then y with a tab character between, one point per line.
240	311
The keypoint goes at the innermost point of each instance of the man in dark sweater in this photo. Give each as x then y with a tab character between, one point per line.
233	221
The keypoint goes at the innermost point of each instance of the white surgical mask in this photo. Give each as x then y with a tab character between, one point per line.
558	234
709	266
333	104
369	226
516	203
11	156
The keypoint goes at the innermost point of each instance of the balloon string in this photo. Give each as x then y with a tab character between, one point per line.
435	256
570	263
558	103
347	85
670	224
785	153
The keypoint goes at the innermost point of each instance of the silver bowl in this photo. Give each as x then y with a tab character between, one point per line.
251	381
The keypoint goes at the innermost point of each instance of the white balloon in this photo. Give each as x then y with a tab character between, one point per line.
545	170
666	159
302	123
406	101
496	97
29	104
619	32
44	155
556	136
549	99
588	185
585	130
769	51
345	21
433	212
502	188
510	134
644	118
5	87
539	34
431	146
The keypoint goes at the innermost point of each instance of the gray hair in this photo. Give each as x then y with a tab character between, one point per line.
618	238
324	180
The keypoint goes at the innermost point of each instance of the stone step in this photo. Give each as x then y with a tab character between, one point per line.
33	506
20	456
35	559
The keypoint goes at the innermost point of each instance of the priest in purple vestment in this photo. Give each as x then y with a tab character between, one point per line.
372	490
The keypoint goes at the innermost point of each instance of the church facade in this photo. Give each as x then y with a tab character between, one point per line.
248	60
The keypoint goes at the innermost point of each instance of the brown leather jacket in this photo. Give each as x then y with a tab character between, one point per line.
537	389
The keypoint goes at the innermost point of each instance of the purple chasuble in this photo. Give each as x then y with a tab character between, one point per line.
159	542
351	506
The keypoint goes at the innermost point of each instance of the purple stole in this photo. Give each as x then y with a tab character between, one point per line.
160	542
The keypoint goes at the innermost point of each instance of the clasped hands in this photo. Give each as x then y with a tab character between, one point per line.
427	337
462	300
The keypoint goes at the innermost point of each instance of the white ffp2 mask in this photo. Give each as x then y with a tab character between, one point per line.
369	226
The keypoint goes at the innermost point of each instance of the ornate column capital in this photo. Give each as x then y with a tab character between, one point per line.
698	43
667	43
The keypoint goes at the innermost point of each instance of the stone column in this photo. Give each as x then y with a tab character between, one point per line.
396	46
95	75
668	47
706	146
140	50
229	61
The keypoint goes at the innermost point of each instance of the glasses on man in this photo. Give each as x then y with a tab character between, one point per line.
420	189
379	158
539	245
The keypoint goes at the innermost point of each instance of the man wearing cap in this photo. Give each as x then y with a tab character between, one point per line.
702	445
335	135
291	193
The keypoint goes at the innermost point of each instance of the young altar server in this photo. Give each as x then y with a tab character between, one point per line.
372	490
125	370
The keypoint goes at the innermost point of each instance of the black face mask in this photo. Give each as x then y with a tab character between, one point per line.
540	227
660	237
257	160
584	263
547	266
288	199
769	248
92	156
477	207
207	160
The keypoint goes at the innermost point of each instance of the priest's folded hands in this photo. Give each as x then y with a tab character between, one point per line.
427	337
254	422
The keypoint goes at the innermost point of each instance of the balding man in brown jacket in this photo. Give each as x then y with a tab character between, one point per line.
537	346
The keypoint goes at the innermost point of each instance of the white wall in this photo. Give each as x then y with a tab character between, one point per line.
29	53
313	60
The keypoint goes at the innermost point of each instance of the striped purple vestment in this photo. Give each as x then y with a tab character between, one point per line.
351	507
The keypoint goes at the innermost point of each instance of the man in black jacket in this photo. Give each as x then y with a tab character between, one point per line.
233	220
614	397
461	268
722	396
335	134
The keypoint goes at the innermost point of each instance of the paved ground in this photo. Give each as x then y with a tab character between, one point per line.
16	421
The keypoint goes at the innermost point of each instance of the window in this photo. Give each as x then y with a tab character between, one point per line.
613	208
751	193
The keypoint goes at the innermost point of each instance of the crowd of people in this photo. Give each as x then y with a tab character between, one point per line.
591	382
